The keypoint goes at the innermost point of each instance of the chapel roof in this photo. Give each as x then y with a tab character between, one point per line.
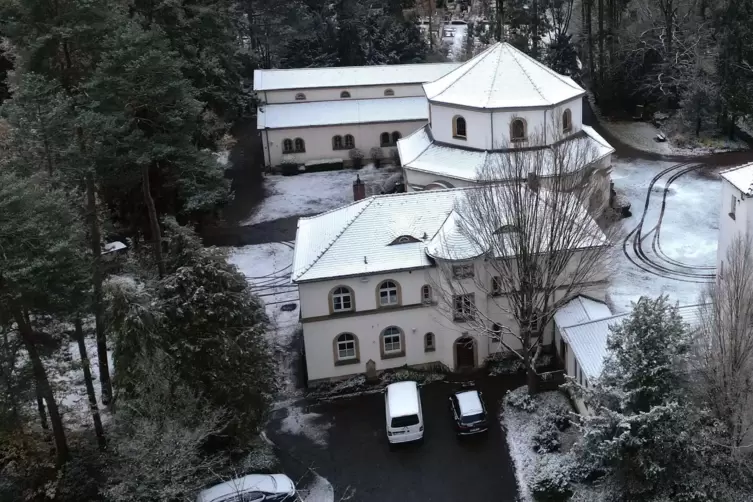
741	177
502	77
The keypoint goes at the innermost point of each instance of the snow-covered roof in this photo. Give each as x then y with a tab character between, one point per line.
269	483
588	340
351	76
357	239
469	402
419	152
502	77
581	309
402	398
741	178
349	111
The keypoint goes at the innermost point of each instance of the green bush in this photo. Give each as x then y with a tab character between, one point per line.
547	438
551	479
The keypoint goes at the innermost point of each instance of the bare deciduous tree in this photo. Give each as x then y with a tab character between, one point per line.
528	231
724	345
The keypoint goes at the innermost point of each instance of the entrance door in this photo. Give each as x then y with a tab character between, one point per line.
464	354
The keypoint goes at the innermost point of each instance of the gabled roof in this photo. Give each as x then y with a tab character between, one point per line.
581	309
419	152
502	77
741	178
356	239
347	111
349	76
588	340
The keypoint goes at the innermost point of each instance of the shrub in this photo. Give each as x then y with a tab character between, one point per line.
376	155
521	400
356	156
396	157
289	169
559	417
547	438
551	479
261	458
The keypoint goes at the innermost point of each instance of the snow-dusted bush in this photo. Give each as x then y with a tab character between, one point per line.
261	458
559	417
547	438
520	399
356	156
551	479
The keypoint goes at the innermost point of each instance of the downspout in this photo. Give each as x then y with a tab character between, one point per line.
491	122
266	139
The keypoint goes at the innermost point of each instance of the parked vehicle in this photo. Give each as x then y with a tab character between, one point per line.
252	488
468	412
402	408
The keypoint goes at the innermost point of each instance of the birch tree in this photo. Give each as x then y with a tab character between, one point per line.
724	345
536	244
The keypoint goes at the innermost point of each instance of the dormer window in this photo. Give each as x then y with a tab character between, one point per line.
345	94
404	239
300	97
518	130
567	121
458	127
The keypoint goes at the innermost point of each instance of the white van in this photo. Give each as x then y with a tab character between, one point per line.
402	407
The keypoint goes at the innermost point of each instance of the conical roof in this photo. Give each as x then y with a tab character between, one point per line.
502	77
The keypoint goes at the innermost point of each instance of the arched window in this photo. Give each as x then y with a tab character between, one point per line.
458	127
567	121
392	343
346	349
337	142
345	94
350	141
430	342
287	146
426	294
341	299
300	97
389	92
384	139
300	146
389	294
396	136
518	130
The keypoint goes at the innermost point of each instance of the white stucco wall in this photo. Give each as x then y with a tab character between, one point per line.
333	93
477	124
319	140
729	228
415	319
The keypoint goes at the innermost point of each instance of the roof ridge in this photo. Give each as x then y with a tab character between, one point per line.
358	66
559	77
337	236
423	128
533	84
624	314
735	168
494	79
480	57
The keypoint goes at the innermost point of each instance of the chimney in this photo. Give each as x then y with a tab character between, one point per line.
359	189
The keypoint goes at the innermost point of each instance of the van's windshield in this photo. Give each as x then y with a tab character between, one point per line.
405	421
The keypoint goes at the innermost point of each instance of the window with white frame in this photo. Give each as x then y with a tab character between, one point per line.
342	299
496	285
429	342
392	342
463	306
346	347
388	294
462	271
426	294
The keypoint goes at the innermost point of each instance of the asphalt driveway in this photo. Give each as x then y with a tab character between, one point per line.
355	457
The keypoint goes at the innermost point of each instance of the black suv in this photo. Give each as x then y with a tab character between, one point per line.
468	412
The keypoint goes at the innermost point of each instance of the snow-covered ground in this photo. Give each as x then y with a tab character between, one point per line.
267	267
319	490
301	422
311	193
689	231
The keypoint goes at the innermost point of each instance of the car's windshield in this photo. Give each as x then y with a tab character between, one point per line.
472	419
405	421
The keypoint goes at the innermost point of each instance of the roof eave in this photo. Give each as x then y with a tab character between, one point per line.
548	106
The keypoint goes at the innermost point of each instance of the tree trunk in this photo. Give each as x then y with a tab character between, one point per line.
499	21
89	385
153	221
43	384
41	409
96	249
601	43
590	40
535	31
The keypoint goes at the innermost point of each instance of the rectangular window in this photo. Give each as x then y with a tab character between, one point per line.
463	306
462	271
496	286
391	344
732	207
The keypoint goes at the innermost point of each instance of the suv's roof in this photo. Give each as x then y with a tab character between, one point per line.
469	402
402	399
